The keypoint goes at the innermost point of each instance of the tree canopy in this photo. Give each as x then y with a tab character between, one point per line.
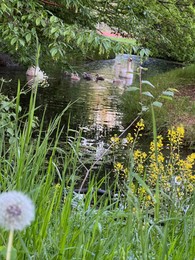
67	28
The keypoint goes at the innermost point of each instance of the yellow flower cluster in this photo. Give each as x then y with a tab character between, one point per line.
121	170
118	166
174	175
129	138
191	158
139	160
145	197
159	144
175	136
140	125
115	139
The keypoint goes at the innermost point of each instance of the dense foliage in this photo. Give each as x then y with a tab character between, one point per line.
65	28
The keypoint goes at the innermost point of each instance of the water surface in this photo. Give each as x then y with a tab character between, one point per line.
96	104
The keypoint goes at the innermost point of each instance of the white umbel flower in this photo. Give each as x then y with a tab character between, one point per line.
16	210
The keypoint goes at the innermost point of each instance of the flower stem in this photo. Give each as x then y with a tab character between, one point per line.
10	242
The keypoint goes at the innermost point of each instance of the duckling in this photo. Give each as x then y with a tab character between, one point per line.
87	76
99	78
75	76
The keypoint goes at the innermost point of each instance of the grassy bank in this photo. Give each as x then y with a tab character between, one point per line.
70	226
179	110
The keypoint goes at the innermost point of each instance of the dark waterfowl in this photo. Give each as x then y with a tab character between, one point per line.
87	76
98	77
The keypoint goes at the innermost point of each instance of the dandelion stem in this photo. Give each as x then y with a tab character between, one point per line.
10	242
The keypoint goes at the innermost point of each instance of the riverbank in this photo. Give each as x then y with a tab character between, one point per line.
177	109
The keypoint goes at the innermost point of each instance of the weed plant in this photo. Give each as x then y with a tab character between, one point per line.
71	226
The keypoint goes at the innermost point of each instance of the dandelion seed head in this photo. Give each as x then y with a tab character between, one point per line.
16	210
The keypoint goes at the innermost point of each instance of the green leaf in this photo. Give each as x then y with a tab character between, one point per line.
144	52
132	89
173	89
52	19
13	41
3	7
157	104
168	93
166	97
53	51
53	30
38	21
10	131
147	93
22	42
148	83
28	37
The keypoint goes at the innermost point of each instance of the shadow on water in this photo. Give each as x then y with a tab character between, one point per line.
97	103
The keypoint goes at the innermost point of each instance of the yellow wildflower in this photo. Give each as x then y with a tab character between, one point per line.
191	158
180	131
118	166
140	125
129	138
176	135
115	139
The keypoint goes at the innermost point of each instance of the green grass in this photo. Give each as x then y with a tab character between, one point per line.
98	227
175	111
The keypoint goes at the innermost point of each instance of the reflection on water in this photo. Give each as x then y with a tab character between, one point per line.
96	106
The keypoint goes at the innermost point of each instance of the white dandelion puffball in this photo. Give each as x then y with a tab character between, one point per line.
16	210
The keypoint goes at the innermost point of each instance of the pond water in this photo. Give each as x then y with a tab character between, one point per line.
96	104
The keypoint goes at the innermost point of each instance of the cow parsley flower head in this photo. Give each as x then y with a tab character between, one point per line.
16	210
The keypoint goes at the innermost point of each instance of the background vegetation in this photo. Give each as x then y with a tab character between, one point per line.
177	110
65	28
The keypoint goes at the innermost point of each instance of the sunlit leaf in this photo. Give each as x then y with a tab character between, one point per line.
132	89
168	93
28	37
148	83
166	97
147	93
53	51
13	41
173	89
157	104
